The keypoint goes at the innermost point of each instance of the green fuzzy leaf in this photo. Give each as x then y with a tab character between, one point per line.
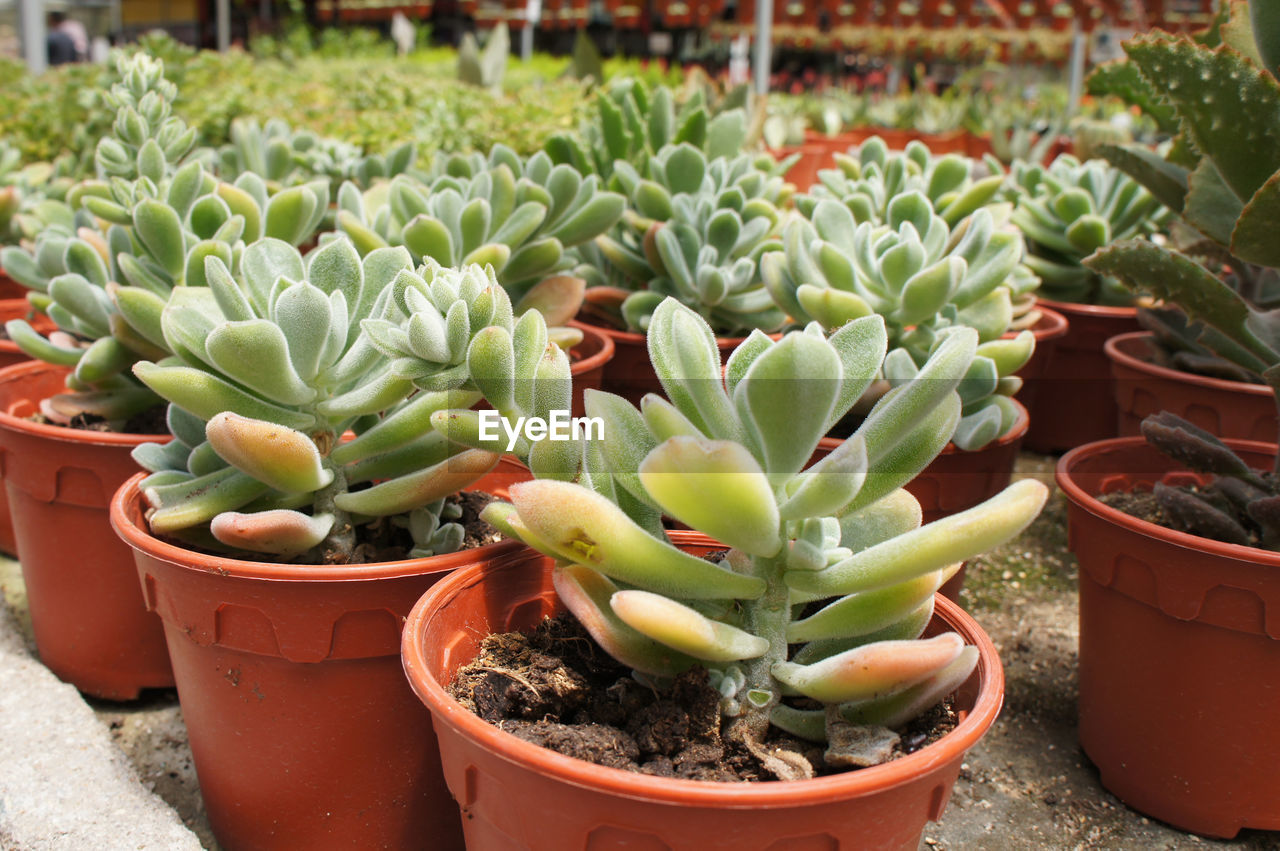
159	229
206	395
682	349
255	353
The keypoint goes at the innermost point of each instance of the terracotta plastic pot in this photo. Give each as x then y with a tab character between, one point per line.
516	795
1074	402
814	156
11	289
303	731
629	373
1048	330
10	354
957	480
91	627
588	363
1224	408
1179	650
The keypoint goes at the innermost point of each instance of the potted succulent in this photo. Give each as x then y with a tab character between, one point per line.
70	420
282	553
520	216
1167	607
695	229
1068	210
727	457
886	249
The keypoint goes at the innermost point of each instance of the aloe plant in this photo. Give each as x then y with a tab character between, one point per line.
275	364
164	215
829	582
696	229
1071	209
519	216
1229	108
924	278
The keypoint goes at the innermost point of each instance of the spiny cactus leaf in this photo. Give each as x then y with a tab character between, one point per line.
1165	180
1265	19
279	532
684	629
1177	279
716	487
1203	85
415	489
1254	237
930	547
587	593
282	458
1211	206
873	670
584	527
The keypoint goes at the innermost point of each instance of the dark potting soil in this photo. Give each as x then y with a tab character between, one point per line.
150	421
384	540
1144	505
1141	504
554	687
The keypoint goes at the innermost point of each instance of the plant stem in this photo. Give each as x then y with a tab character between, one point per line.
766	617
340	543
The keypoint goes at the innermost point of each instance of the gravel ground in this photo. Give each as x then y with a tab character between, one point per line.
1027	785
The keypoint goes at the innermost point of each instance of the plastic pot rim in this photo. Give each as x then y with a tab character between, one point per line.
141	539
1101	311
48	431
760	795
1114	347
598	358
1063	475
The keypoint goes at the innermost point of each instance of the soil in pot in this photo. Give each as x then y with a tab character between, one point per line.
515	795
554	687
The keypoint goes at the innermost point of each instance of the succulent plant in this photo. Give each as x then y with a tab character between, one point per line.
829	579
285	157
164	215
1071	209
633	122
1229	108
695	228
923	277
274	365
486	69
518	216
868	181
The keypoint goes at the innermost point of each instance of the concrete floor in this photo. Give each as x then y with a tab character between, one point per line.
1026	785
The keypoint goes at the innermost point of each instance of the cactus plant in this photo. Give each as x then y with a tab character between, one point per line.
696	229
1071	209
829	581
164	215
923	277
276	364
1230	108
518	216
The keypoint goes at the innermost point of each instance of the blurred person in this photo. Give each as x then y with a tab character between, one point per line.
59	47
74	30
